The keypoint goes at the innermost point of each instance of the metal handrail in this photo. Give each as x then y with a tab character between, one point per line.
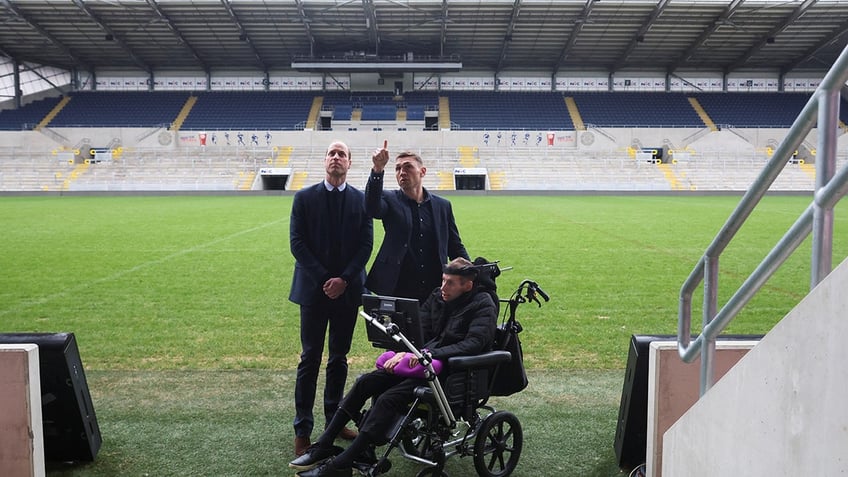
822	107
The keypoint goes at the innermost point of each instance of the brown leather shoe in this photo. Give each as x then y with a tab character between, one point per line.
348	434
300	445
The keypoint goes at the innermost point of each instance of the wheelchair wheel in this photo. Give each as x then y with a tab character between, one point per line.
497	446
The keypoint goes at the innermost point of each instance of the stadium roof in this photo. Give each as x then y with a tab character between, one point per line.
553	36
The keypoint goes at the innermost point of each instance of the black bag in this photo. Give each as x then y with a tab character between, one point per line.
510	377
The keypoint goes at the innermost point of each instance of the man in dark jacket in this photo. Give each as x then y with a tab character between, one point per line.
457	320
420	231
331	239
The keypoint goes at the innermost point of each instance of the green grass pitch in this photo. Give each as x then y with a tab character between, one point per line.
171	295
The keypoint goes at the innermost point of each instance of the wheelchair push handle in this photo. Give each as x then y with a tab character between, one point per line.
531	293
533	288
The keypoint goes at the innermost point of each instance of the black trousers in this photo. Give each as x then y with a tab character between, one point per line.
315	321
392	394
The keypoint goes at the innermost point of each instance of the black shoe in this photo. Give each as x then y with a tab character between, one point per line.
365	460
327	470
314	456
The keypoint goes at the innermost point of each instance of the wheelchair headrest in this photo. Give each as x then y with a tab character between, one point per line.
487	272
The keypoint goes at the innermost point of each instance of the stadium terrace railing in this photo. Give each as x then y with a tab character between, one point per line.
830	187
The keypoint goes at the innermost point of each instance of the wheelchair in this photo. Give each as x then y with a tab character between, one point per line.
451	415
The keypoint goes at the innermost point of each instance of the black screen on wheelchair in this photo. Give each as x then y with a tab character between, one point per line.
403	312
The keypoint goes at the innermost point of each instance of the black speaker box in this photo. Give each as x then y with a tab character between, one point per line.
631	433
71	433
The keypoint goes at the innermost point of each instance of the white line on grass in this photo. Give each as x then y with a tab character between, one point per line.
141	266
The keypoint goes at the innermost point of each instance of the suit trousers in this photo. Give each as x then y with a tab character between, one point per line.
315	320
392	395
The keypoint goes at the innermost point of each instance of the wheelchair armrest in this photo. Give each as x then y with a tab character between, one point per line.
423	392
489	358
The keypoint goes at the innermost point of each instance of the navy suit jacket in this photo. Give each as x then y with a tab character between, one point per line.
310	234
390	207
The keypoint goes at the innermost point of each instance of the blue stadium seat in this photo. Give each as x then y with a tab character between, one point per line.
120	109
342	112
415	112
509	110
636	109
379	112
749	110
275	110
288	110
28	115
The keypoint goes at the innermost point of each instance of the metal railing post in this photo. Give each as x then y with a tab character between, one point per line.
831	186
822	259
710	310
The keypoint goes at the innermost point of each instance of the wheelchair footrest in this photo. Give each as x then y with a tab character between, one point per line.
374	468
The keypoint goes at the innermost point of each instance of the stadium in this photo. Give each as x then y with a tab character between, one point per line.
149	152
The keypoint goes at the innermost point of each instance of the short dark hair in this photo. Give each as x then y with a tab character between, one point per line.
411	154
462	267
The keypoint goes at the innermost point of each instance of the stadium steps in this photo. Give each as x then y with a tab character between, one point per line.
356	114
574	112
314	112
444	113
52	114
445	180
246	180
696	105
298	179
283	155
809	169
401	114
79	170
468	156
497	180
183	114
670	176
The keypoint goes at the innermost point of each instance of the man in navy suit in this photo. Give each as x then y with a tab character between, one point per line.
420	231
331	239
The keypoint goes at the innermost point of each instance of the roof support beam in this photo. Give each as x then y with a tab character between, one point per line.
811	53
371	23
516	9
640	35
178	33
46	34
705	35
117	39
770	35
243	36
444	34
575	32
307	28
5	53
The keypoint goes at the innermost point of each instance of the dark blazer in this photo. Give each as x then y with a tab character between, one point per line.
390	207
310	236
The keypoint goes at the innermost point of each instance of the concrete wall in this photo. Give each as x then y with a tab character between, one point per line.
597	160
742	142
781	411
674	386
21	432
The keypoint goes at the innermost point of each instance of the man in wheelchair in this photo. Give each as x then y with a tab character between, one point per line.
458	319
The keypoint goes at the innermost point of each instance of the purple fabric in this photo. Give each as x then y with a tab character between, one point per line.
403	369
